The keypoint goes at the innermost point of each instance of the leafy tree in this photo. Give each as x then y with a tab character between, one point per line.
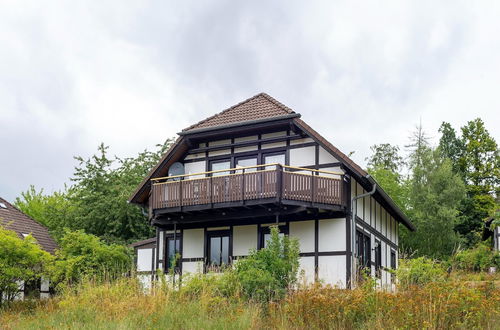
385	156
480	165
450	145
268	273
53	211
82	256
435	194
393	184
97	200
21	260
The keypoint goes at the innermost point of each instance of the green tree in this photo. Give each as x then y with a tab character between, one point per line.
97	200
480	165
435	194
21	260
450	145
81	256
385	156
54	211
268	273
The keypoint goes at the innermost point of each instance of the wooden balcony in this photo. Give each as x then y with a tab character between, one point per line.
269	183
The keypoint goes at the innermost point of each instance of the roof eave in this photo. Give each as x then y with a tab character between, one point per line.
238	124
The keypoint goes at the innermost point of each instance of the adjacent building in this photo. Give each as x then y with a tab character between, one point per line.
13	219
215	193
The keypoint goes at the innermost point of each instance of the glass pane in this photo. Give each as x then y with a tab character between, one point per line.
225	250
271	159
221	166
267	237
246	162
215	252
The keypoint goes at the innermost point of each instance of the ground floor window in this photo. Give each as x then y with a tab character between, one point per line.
265	234
363	249
218	248
378	258
173	247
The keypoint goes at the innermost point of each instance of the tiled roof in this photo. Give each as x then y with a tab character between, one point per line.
13	219
260	106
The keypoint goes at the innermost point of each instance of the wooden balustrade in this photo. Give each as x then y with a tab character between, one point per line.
282	182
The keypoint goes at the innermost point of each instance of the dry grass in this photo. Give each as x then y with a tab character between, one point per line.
124	305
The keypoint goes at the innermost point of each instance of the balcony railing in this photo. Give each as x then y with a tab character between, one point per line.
252	183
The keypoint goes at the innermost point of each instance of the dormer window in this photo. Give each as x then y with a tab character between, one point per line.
2	205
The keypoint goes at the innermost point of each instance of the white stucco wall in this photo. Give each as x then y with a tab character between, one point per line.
303	156
304	231
244	239
332	235
306	270
192	267
192	243
332	270
144	259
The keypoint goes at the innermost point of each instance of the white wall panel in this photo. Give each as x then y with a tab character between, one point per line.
274	134
192	267
273	145
301	141
195	167
304	231
219	142
332	270
332	235
325	157
245	138
219	152
245	149
192	243
144	259
244	239
306	270
303	156
145	281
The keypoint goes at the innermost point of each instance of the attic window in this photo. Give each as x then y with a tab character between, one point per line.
24	235
2	205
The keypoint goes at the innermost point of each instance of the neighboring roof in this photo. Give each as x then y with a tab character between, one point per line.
260	106
143	242
13	219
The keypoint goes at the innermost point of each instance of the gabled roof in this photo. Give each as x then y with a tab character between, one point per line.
13	219
260	106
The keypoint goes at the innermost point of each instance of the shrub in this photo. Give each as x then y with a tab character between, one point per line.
86	256
419	271
21	260
268	273
480	258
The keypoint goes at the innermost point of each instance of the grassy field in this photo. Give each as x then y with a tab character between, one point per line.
124	305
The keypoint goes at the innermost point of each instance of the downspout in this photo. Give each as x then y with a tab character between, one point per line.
353	229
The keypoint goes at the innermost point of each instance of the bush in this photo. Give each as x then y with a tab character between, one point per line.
268	273
481	258
419	271
86	256
21	260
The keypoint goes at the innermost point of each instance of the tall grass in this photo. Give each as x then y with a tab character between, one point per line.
204	305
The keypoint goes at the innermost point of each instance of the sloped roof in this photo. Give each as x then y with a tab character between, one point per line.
13	219
260	106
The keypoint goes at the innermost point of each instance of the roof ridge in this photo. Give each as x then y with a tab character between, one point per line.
261	94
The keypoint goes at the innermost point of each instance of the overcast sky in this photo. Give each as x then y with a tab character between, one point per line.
131	74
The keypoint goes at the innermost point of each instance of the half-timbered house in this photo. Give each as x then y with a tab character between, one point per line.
227	179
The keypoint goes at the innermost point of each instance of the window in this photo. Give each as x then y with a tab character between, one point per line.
378	258
245	162
265	234
220	165
274	158
218	248
393	259
171	251
363	249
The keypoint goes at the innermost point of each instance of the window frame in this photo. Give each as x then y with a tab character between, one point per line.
166	261
378	258
364	258
218	233
263	230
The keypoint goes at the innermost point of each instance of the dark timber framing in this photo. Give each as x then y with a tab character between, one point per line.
376	216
